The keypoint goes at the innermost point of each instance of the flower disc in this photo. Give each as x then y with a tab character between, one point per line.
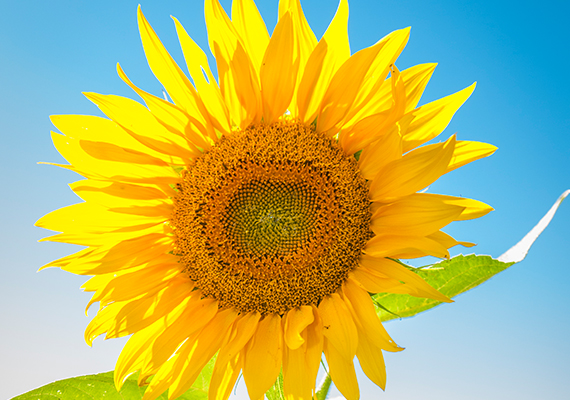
271	218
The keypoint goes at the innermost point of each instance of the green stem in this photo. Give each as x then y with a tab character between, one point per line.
324	390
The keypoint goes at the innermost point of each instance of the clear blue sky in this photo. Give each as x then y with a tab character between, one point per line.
505	339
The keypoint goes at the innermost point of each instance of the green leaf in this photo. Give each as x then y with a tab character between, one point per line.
378	305
101	386
451	277
276	391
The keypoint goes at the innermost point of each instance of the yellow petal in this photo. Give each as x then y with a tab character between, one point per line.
242	331
252	30
300	366
415	215
415	171
238	79
365	103
160	209
67	260
118	256
413	284
90	167
169	73
466	152
123	318
344	87
447	241
365	131
200	312
139	122
112	152
330	53
207	344
374	282
278	71
229	362
296	321
472	208
375	126
173	118
79	128
336	36
431	119
90	218
164	377
305	38
118	194
97	282
207	87
130	285
263	356
138	346
224	377
305	42
414	81
342	371
98	240
177	371
380	153
404	247
96	129
364	314
132	354
371	361
339	328
89	190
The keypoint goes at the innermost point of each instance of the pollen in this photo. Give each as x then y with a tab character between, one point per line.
271	218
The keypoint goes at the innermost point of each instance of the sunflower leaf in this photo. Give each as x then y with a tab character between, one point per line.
451	277
276	391
101	386
384	308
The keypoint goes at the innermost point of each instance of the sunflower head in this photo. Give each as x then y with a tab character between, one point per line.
252	215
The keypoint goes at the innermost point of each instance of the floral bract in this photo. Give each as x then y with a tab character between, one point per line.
252	216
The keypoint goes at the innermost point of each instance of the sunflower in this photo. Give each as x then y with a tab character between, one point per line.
252	215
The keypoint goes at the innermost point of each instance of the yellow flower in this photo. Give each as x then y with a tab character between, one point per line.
252	216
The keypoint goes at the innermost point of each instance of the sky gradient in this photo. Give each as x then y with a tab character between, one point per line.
505	339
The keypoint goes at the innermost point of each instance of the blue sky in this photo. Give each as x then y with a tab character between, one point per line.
505	339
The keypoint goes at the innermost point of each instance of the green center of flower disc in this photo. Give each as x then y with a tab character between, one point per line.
270	217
